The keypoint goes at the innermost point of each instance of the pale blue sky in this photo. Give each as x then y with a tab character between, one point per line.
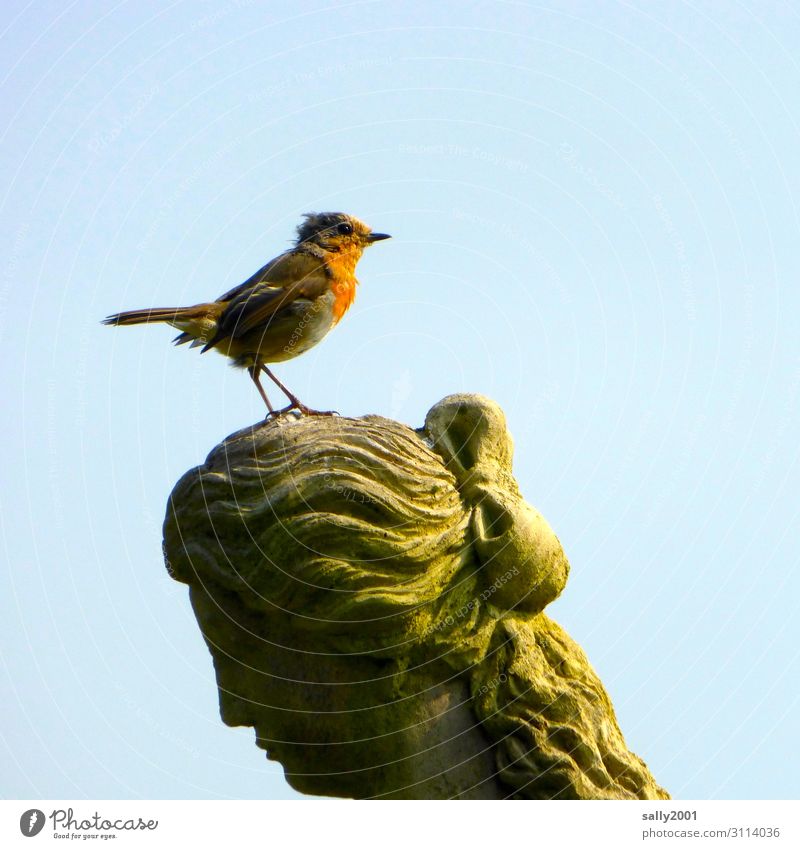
594	219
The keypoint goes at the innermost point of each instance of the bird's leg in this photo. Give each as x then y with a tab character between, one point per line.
255	375
294	402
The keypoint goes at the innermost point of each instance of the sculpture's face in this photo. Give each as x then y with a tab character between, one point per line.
347	725
301	703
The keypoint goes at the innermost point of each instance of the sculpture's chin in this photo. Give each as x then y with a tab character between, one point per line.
315	786
303	778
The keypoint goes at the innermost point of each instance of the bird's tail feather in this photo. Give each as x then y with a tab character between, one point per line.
169	315
197	323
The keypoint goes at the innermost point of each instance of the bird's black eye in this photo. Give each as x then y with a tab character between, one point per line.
345	229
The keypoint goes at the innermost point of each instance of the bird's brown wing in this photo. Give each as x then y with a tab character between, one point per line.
290	276
261	276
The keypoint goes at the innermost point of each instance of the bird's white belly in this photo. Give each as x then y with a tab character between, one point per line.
297	333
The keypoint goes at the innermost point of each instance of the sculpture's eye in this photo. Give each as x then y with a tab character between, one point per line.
345	229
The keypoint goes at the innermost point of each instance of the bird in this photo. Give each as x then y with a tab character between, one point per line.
282	310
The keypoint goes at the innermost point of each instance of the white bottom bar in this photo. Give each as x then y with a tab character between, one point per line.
385	825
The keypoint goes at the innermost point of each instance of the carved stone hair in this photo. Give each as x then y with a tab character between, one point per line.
400	543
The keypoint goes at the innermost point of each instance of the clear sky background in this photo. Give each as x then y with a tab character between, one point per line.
595	220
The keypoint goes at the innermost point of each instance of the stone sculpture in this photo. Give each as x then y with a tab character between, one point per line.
373	597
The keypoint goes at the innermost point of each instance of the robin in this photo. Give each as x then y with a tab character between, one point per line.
284	309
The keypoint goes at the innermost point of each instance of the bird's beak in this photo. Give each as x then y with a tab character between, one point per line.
377	237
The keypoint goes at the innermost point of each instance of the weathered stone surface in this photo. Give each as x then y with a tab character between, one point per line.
372	597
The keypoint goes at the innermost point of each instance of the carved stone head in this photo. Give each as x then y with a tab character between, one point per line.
361	585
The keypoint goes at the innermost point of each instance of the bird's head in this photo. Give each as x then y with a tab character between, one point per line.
337	231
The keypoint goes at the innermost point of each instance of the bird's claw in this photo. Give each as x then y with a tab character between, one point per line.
300	409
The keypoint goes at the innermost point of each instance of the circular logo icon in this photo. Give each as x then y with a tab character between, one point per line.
31	822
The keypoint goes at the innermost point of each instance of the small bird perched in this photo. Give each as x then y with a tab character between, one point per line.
284	309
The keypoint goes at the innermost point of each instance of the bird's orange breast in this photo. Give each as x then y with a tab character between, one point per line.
344	294
342	267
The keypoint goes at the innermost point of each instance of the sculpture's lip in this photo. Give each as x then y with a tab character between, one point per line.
267	746
271	754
